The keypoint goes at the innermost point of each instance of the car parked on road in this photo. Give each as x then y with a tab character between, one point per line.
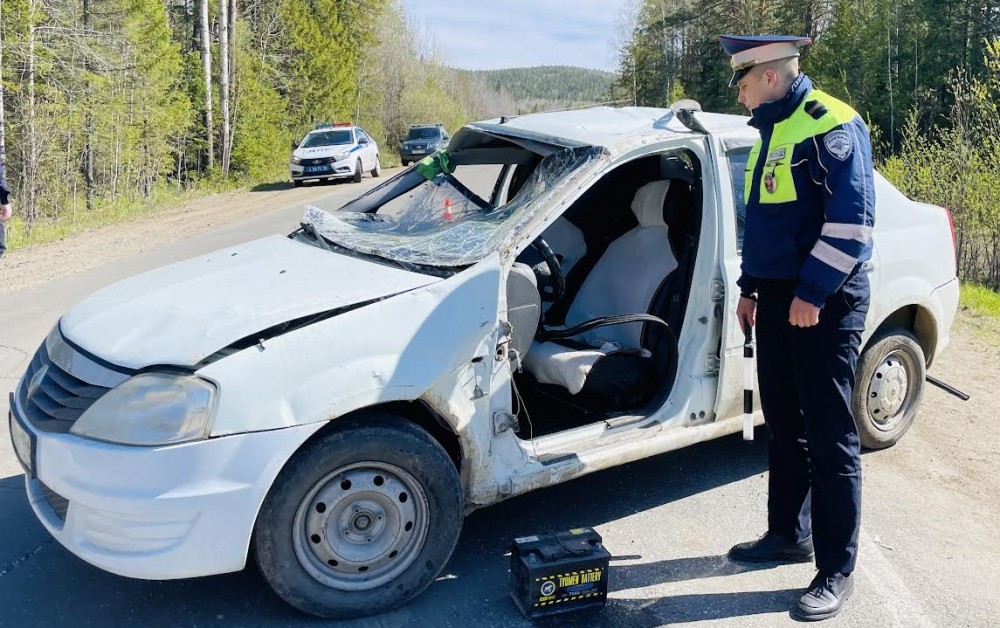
422	140
552	296
335	151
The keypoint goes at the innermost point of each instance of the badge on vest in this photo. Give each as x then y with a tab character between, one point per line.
838	144
776	155
769	182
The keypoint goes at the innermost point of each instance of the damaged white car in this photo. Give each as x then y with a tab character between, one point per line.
552	296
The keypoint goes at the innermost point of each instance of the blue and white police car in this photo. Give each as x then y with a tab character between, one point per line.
335	151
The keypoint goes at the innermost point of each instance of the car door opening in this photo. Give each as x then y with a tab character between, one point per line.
626	248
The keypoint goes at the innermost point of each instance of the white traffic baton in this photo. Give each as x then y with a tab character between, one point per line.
748	366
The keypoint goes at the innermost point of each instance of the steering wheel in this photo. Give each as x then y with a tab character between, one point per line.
552	286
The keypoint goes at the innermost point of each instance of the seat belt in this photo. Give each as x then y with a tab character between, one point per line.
556	334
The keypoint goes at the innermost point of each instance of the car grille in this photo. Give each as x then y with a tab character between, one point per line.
56	502
58	398
317	162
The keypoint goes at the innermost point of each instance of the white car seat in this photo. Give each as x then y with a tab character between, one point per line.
625	280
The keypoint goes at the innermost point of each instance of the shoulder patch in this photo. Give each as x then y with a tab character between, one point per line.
838	143
816	109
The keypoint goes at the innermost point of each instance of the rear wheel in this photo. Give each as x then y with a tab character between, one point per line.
890	384
361	520
377	170
358	172
296	184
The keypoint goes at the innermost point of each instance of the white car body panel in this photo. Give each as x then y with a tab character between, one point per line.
349	361
418	339
943	306
182	313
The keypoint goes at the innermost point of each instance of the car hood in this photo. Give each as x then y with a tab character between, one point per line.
182	313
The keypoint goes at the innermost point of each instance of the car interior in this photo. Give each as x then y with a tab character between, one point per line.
597	303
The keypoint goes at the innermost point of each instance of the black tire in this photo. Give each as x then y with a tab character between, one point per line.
296	184
889	387
361	478
358	172
377	168
404	162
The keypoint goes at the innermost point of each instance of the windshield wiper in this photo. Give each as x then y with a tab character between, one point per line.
410	266
310	230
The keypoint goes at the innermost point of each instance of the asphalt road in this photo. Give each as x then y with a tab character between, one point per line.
927	552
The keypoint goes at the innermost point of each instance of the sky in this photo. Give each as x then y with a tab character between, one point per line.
490	34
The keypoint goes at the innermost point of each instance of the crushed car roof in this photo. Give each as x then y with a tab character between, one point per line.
610	126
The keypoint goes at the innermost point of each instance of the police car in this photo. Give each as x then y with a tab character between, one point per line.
335	151
552	296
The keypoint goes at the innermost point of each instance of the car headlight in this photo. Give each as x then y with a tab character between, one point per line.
296	160
151	409
342	156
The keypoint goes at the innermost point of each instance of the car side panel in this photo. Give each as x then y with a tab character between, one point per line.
914	263
389	351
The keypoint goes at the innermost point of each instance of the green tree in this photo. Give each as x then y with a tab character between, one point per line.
320	64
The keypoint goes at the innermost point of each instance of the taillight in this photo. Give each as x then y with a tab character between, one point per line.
954	242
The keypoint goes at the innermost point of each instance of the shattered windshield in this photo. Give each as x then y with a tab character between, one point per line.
440	221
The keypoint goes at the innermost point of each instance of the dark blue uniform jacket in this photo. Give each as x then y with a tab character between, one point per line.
810	195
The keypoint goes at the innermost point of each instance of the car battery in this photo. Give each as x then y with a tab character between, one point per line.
558	572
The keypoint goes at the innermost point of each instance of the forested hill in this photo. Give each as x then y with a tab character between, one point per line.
552	84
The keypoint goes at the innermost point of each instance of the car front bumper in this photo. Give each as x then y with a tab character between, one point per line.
343	169
156	512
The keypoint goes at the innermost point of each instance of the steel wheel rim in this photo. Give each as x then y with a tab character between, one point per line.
891	390
361	526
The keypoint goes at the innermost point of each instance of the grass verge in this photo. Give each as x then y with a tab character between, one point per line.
980	312
980	301
78	220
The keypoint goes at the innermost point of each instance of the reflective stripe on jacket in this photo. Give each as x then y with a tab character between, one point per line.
809	194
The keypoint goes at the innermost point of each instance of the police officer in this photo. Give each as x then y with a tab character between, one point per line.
5	208
810	204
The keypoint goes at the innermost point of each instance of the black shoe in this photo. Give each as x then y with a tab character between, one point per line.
773	547
825	597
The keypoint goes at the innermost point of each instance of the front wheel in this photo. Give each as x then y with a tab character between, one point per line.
360	520
358	172
889	386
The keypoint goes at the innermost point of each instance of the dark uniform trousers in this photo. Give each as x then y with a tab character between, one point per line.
806	378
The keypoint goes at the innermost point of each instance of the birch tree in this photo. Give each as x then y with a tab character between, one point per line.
224	81
206	67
